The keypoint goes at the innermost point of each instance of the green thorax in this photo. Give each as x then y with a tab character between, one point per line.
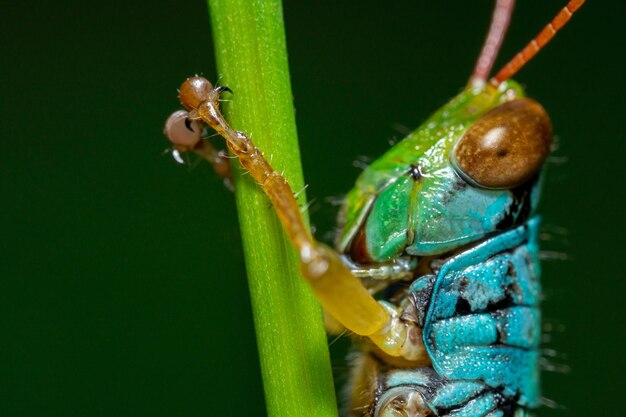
385	188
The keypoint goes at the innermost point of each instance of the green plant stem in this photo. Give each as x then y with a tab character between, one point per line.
252	60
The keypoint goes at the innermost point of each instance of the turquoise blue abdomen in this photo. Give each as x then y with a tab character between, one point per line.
483	322
481	331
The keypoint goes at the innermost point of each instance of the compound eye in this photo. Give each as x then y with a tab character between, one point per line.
182	132
506	147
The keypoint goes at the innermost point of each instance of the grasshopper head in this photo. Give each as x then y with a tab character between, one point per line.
470	170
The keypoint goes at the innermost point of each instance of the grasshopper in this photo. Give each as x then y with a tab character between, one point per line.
441	229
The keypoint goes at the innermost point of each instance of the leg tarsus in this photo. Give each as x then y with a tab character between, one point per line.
397	269
223	88
186	134
218	160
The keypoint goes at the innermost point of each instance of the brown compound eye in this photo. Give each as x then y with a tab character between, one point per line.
505	147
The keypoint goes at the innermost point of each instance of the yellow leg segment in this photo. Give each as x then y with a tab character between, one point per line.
340	292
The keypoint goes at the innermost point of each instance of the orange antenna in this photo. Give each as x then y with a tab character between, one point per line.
538	42
499	24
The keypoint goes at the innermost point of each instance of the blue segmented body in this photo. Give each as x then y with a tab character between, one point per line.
483	321
481	330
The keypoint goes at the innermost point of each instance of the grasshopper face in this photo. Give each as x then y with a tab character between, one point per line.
470	170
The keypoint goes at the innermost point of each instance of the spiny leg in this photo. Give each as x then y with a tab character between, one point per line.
340	292
186	136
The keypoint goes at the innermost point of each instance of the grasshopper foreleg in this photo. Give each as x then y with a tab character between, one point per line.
339	291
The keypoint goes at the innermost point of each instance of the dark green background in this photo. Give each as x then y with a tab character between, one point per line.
122	286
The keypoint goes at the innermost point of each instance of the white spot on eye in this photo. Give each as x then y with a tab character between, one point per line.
493	137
